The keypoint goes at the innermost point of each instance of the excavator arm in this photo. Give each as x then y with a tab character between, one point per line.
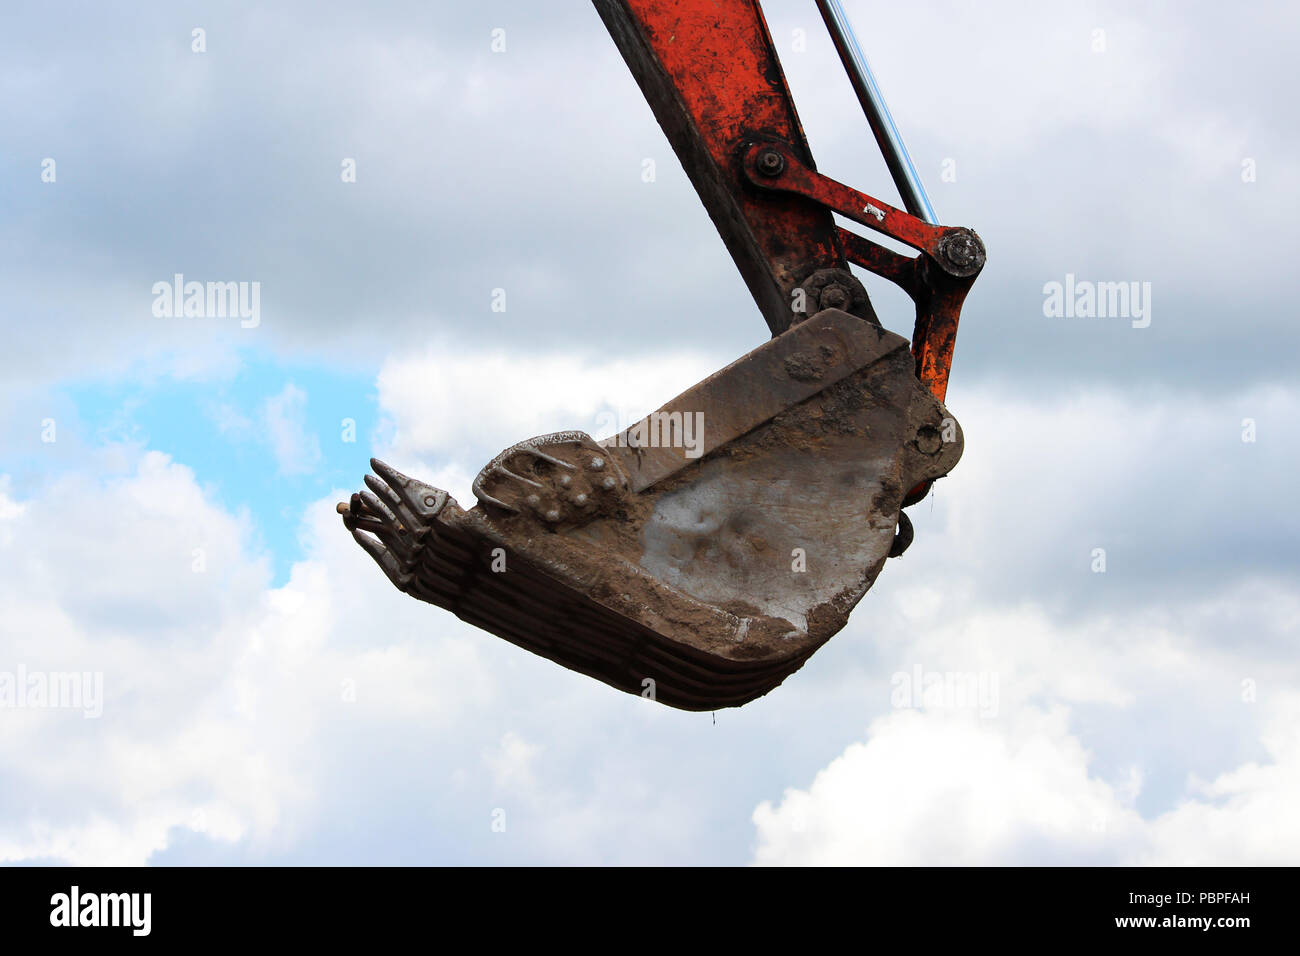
702	555
711	75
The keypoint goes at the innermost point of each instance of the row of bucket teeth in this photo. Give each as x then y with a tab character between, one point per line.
534	611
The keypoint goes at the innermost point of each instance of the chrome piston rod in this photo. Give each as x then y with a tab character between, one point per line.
904	173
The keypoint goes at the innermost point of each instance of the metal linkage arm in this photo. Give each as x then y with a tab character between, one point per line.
937	280
712	77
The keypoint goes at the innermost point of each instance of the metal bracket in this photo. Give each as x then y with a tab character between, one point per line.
937	280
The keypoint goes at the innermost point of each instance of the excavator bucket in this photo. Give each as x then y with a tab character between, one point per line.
702	555
706	552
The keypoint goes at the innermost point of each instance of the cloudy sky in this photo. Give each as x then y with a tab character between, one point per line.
167	484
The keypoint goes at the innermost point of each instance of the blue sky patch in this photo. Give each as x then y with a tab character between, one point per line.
271	439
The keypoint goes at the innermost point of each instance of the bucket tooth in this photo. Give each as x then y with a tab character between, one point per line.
423	500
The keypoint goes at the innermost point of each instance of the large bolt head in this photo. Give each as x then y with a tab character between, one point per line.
836	297
770	163
961	253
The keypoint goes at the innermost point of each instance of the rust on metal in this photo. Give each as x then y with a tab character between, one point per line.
937	279
707	586
702	555
711	75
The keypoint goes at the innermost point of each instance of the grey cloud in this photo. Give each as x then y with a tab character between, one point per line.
522	171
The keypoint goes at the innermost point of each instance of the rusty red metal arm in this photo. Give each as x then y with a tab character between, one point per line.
773	166
710	74
937	280
712	77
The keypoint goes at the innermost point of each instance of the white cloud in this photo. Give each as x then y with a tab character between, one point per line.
454	408
928	788
1119	694
296	449
219	692
278	721
1245	817
9	510
448	398
511	762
